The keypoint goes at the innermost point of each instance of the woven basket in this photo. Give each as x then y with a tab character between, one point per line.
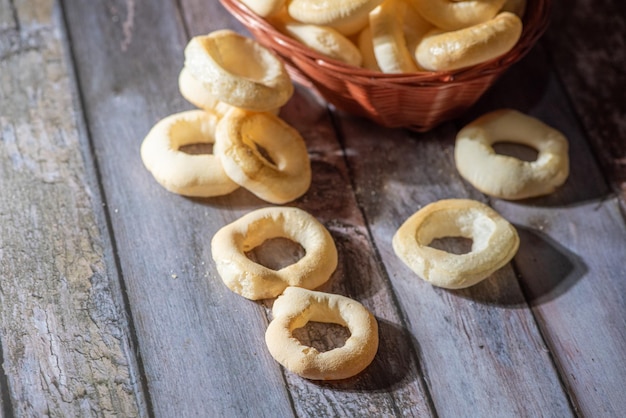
416	101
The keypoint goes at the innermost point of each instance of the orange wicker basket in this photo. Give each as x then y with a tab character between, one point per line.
417	101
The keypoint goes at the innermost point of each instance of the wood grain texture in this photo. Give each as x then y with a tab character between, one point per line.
587	44
393	385
86	233
425	172
194	334
174	291
475	343
579	301
579	234
65	338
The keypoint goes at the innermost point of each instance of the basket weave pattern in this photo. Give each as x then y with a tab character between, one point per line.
417	101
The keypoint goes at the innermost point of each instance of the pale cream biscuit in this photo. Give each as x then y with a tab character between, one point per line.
415	27
514	6
508	177
255	281
494	242
197	94
264	8
325	40
457	14
199	175
347	16
295	308
238	71
389	43
366	46
445	51
241	139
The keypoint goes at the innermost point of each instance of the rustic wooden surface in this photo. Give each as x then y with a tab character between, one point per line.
109	301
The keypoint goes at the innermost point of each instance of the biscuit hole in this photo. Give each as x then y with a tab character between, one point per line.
276	253
322	336
197	149
519	151
453	245
264	153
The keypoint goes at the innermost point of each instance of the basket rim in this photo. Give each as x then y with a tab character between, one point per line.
530	34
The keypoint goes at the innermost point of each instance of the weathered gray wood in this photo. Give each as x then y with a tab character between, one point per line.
587	43
533	88
7	28
393	384
201	18
576	286
425	172
481	350
166	315
570	261
64	333
202	345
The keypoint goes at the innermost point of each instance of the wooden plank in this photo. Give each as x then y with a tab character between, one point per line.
525	88
571	257
167	264
8	29
200	18
472	341
579	300
578	232
587	43
393	385
66	348
199	342
481	348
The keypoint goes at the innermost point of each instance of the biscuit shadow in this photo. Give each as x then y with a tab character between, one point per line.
240	199
324	196
546	267
522	86
357	276
395	365
499	289
546	270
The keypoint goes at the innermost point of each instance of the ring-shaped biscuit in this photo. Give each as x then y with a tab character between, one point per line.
255	281
325	40
445	51
238	71
346	16
454	14
508	177
196	93
494	242
388	37
240	138
415	27
295	308
366	46
200	175
264	8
